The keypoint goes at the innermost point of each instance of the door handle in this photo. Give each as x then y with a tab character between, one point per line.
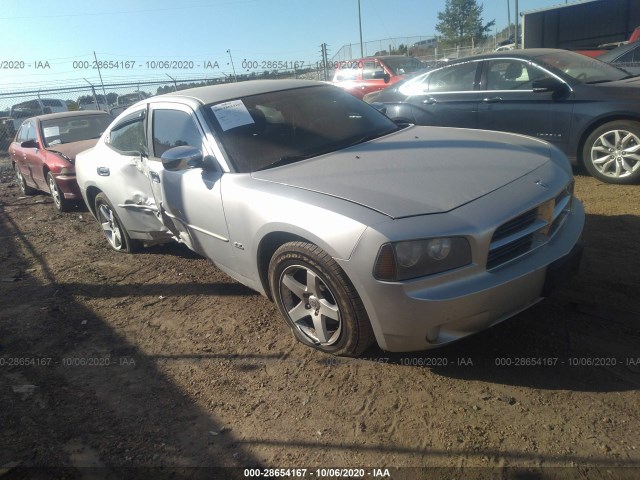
430	101
103	171
155	178
492	100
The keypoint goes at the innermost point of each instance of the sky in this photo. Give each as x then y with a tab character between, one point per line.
52	43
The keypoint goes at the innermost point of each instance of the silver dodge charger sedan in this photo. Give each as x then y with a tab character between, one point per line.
358	228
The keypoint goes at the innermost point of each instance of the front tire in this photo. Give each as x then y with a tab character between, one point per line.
318	301
61	203
612	152
115	233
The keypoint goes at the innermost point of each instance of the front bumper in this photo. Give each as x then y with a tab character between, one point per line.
433	311
68	186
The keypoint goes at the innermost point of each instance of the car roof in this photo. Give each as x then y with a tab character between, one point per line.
230	91
527	54
76	113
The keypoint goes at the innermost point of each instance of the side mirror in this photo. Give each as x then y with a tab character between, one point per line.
387	78
30	144
548	84
182	158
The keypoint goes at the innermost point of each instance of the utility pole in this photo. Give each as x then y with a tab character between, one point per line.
509	16
325	60
101	82
235	78
360	24
175	84
516	34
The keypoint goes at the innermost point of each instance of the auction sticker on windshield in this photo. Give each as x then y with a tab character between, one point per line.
232	114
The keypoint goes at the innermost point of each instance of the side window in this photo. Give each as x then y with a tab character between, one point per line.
128	134
22	133
31	131
458	78
346	73
512	75
174	128
370	70
632	55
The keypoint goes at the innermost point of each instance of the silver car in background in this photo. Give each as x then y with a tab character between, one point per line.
358	228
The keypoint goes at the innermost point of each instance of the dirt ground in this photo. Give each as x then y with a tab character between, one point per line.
132	362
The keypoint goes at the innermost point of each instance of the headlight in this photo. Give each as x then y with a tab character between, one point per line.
417	258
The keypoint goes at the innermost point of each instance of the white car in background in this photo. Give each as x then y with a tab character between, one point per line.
97	102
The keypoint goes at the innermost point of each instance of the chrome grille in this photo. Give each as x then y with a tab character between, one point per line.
529	230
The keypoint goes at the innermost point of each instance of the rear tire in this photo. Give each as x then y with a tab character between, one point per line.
115	233
612	152
22	183
318	301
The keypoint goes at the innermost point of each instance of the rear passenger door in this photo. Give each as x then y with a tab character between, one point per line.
128	188
447	97
509	103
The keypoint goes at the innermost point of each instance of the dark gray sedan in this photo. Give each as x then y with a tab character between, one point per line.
587	108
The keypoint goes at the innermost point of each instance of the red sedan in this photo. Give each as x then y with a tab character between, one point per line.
366	75
44	151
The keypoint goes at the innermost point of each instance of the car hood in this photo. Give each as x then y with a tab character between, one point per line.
418	170
70	150
622	88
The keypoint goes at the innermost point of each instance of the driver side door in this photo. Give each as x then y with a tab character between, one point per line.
189	197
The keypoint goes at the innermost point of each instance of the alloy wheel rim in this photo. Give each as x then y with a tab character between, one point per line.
616	154
110	227
55	194
21	182
311	305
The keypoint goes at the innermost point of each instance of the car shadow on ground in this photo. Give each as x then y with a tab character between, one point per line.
89	397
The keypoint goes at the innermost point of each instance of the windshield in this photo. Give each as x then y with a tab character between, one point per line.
403	65
90	100
271	129
129	98
73	129
582	68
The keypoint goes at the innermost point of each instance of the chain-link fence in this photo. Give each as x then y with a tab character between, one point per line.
424	48
16	106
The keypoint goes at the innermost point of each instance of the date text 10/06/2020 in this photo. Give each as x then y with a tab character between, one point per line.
172	64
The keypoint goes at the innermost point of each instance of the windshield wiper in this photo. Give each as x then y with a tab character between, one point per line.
287	160
372	136
599	81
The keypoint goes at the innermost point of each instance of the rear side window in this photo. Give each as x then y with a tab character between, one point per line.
631	56
52	103
174	128
22	133
128	136
27	132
